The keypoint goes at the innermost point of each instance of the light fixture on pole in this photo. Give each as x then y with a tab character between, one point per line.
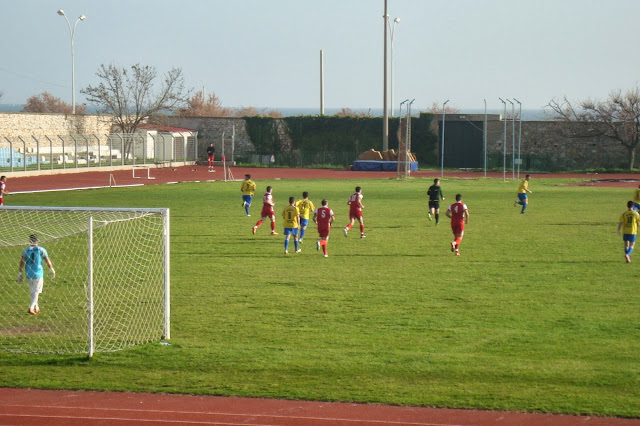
392	30
442	143
73	71
504	141
519	134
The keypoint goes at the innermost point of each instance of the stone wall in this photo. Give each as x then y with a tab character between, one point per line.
26	125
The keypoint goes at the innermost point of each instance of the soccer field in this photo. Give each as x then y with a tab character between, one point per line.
539	313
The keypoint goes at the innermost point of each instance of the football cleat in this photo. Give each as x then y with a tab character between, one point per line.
299	251
457	253
300	241
326	255
37	310
253	231
627	258
286	252
363	236
31	311
515	204
274	233
430	217
345	230
318	245
453	246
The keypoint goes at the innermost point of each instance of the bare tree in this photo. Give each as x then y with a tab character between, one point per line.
348	112
198	106
47	103
130	96
616	118
436	108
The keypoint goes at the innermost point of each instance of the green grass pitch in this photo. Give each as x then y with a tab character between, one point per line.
539	313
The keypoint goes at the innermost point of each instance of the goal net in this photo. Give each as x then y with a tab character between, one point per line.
111	289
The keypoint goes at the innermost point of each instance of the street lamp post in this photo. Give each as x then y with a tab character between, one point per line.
385	109
513	141
504	141
73	72
392	30
519	133
442	143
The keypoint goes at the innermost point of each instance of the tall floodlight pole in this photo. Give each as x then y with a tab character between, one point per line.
385	110
504	141
513	143
519	133
73	71
442	143
321	83
392	30
484	137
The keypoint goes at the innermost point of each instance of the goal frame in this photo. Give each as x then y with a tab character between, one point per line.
164	212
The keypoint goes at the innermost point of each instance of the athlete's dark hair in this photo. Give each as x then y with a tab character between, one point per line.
305	194
358	189
247	176
436	180
458	197
528	176
269	189
629	204
33	238
292	200
325	202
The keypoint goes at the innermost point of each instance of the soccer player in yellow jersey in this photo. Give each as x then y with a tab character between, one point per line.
629	225
305	207
291	217
522	194
248	188
636	199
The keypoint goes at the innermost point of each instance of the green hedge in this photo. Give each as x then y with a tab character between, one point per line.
338	134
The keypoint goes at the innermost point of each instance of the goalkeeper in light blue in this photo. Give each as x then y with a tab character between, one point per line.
31	262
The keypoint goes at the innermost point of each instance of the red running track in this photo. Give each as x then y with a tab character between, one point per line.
28	407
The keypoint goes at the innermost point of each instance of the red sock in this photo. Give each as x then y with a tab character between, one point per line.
323	243
458	241
348	226
362	229
258	224
273	226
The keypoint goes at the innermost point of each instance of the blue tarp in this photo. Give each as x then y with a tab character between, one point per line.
376	166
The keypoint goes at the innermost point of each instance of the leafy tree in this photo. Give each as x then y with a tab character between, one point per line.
616	118
47	103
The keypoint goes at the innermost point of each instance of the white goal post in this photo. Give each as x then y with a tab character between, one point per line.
111	288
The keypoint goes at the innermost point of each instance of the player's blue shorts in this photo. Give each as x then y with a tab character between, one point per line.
629	237
247	198
304	222
522	196
290	231
636	206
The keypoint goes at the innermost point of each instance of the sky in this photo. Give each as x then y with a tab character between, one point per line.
266	54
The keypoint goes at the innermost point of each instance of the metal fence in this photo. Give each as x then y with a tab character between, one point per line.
295	159
86	151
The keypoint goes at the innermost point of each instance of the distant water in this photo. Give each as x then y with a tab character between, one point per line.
527	114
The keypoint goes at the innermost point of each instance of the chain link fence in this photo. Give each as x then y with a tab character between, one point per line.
51	152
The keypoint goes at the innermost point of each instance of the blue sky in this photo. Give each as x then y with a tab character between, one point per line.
266	53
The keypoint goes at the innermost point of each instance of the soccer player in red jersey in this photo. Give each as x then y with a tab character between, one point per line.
323	217
459	215
355	212
267	212
211	156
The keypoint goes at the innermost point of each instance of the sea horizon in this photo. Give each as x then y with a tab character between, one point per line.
527	114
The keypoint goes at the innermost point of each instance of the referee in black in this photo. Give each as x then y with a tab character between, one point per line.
435	195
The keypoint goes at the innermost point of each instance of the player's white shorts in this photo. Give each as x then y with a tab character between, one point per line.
35	285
